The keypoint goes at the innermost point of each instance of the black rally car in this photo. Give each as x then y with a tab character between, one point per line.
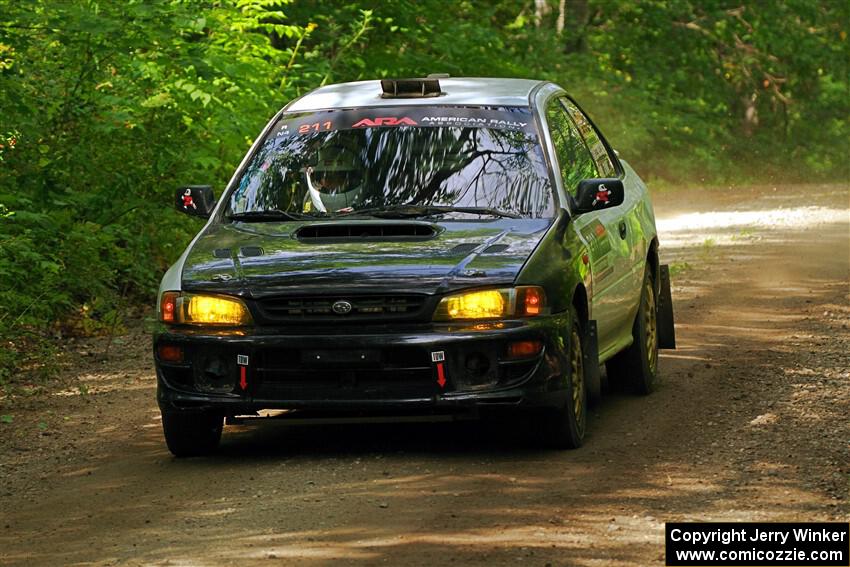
426	247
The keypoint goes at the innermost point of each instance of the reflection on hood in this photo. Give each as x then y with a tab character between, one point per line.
265	258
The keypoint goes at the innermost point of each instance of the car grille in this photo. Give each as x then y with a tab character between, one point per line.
388	373
320	308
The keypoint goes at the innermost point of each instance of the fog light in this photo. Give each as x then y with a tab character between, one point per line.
524	349
477	364
170	353
214	374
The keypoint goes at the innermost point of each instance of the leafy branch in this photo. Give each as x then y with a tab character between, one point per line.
363	27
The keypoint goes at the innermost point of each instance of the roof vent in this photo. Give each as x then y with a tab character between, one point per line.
410	88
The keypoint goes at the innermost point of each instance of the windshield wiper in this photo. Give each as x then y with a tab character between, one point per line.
268	215
402	211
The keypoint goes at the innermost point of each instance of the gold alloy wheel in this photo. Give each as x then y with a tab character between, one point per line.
649	320
577	379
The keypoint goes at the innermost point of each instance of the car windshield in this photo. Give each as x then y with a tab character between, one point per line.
410	161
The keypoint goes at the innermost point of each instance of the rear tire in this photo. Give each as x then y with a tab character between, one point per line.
637	366
564	428
190	434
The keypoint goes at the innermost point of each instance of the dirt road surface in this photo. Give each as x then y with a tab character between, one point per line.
750	422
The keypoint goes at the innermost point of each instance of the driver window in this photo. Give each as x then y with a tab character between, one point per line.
597	148
574	159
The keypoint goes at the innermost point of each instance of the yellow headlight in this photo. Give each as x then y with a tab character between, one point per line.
486	304
193	309
476	305
216	310
521	301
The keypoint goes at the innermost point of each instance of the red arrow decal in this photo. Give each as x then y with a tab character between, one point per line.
441	375
243	378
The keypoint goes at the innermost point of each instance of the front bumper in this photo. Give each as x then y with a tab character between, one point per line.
367	368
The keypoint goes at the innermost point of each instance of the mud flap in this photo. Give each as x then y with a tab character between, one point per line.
666	327
590	353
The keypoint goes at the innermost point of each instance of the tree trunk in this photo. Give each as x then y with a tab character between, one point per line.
541	8
751	115
562	12
573	16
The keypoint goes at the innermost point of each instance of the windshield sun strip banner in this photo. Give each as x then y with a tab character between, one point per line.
516	118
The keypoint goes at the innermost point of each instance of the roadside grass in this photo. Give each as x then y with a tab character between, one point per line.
708	248
744	234
678	268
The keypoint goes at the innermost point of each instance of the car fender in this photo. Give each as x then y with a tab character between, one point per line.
557	265
172	280
643	212
642	233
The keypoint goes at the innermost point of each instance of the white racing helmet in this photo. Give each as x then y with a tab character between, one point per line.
336	181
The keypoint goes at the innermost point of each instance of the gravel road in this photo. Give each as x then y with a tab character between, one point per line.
749	423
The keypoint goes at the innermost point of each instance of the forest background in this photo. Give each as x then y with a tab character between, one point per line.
107	106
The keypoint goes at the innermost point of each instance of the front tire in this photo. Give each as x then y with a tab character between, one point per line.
637	366
564	428
190	434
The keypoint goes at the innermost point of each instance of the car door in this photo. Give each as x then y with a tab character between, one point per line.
601	230
625	233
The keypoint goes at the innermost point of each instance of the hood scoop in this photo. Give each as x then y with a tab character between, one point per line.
364	232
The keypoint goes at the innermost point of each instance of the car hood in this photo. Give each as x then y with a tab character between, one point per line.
259	259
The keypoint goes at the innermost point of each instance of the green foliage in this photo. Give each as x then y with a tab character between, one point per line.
715	91
106	107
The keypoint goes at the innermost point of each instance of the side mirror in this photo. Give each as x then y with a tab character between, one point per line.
195	200
598	194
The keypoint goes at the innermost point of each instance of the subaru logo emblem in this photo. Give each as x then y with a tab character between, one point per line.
341	307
